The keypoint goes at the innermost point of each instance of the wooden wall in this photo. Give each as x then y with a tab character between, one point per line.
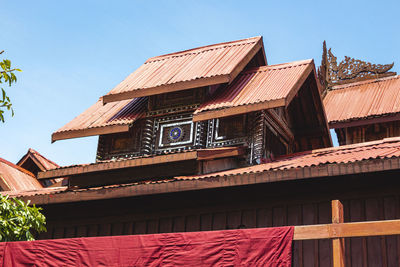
367	197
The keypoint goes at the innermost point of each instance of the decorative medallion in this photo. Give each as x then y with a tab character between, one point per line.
176	134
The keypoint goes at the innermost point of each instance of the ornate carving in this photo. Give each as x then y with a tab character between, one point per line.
349	70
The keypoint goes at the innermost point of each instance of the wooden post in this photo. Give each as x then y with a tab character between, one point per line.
338	243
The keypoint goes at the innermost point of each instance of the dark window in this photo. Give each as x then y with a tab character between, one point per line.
232	127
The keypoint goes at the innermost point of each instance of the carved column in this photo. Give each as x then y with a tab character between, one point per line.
147	139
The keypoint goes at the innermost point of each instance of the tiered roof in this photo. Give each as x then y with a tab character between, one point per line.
329	162
364	100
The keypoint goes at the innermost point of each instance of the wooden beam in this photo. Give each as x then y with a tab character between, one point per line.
338	250
296	87
340	230
89	132
364	121
114	165
223	152
246	59
167	88
201	154
231	111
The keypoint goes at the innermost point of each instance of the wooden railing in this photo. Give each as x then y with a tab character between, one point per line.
338	230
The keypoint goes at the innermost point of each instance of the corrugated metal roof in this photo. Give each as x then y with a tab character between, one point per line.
213	64
44	163
267	87
103	119
364	99
13	177
386	149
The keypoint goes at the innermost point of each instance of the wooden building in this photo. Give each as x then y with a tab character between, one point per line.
214	138
361	99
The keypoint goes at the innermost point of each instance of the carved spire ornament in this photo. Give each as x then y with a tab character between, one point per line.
349	70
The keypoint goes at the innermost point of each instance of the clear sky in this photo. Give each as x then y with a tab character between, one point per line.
73	52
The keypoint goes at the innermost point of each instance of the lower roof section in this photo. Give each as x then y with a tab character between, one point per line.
361	158
15	178
99	119
354	103
200	154
257	89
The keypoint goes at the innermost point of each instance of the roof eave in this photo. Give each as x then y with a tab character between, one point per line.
184	85
89	132
324	170
364	121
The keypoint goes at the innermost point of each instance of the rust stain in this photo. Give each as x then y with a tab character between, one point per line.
363	100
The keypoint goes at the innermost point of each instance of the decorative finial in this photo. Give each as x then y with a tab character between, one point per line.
349	70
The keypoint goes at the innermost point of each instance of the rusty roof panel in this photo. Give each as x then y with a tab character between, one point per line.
362	100
222	60
386	149
267	85
104	118
42	162
14	178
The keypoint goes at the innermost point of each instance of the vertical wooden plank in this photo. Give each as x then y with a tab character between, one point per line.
219	221
178	224
390	213
165	225
82	231
105	229
325	245
116	228
152	226
58	232
206	222
128	228
192	223
295	218
233	220
93	230
357	244
374	250
249	219
279	216
338	252
140	227
264	218
70	232
308	246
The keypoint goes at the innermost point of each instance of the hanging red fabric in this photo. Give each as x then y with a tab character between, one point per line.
244	247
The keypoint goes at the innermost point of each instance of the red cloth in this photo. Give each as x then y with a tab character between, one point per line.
244	247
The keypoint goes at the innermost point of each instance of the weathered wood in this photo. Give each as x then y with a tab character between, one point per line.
340	230
89	132
338	248
226	112
167	88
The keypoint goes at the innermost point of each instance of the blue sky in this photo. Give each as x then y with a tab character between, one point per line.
73	52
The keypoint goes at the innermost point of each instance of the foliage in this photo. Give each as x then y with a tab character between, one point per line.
18	220
7	76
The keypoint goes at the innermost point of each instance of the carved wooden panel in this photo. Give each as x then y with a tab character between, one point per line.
177	132
227	131
348	70
366	133
177	99
121	145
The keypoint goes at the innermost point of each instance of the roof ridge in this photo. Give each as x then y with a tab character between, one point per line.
368	81
40	155
278	66
204	48
17	167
